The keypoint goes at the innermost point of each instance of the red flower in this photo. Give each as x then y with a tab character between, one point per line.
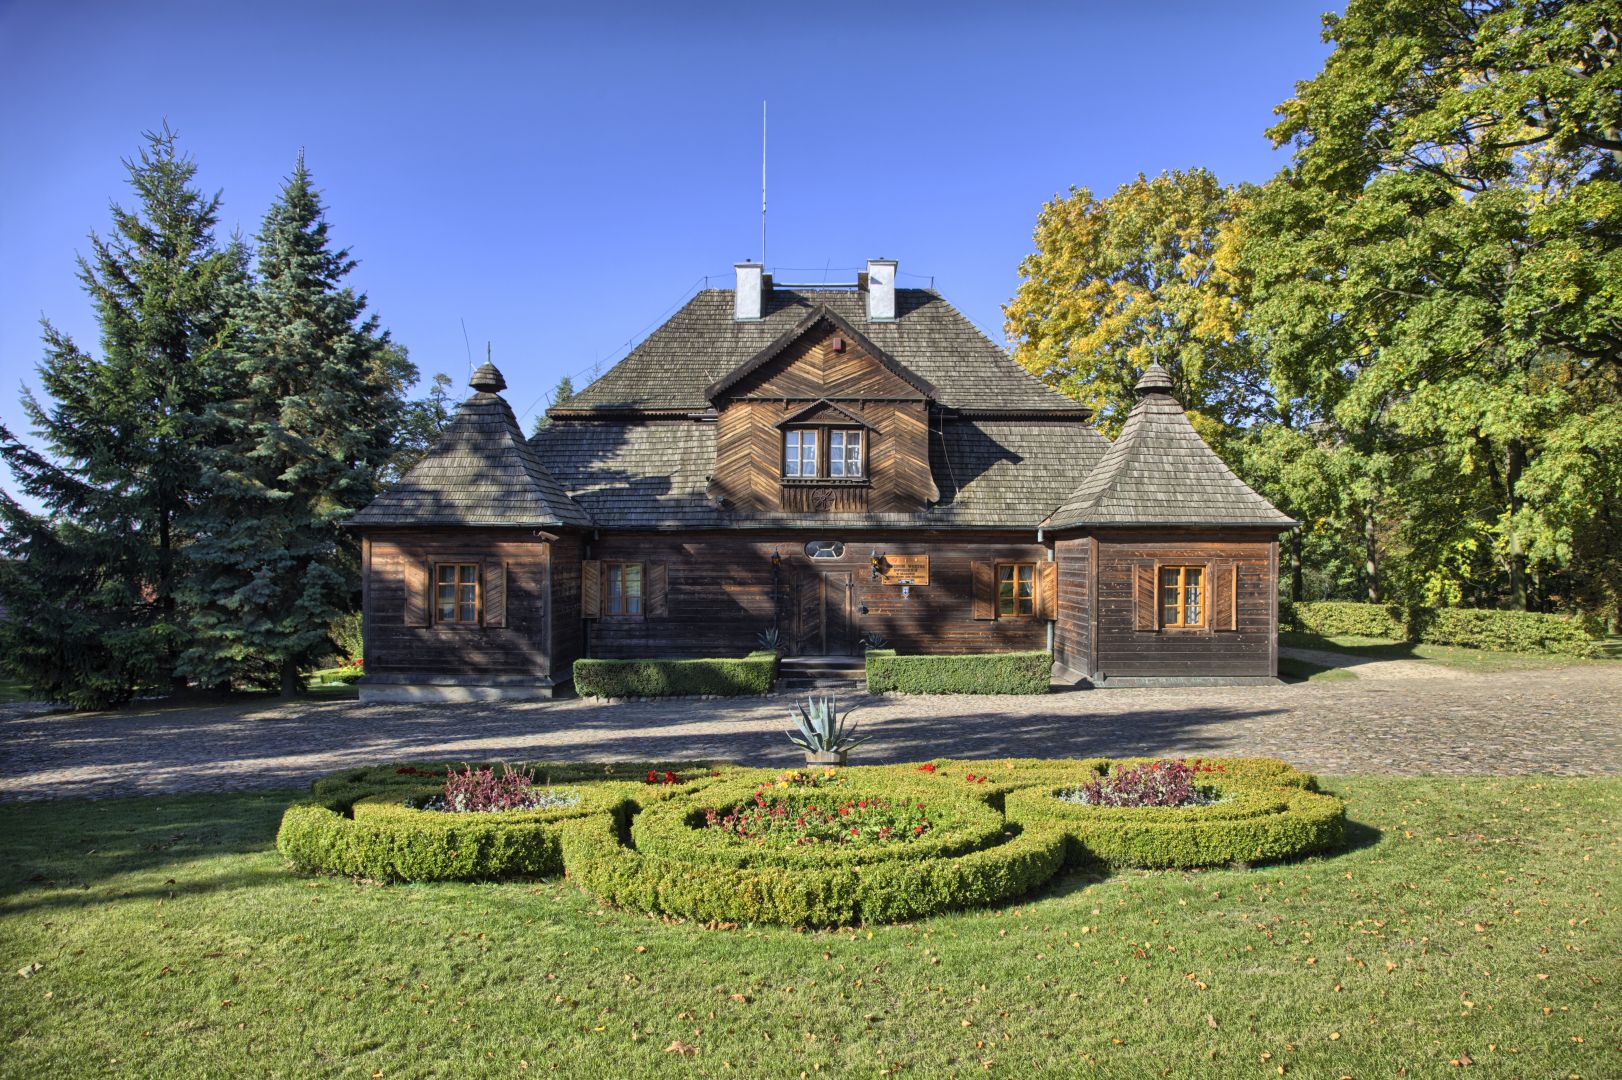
653	777
928	766
670	777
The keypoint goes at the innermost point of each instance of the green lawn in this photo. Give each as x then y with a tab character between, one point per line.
1453	656
1292	670
1470	918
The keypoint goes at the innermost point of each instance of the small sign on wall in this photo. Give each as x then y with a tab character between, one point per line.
904	570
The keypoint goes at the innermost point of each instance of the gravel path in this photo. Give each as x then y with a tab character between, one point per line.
1365	667
1566	721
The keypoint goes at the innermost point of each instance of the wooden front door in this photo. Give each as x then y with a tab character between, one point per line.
822	609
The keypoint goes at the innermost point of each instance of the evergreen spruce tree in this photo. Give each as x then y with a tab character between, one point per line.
308	433
93	583
561	393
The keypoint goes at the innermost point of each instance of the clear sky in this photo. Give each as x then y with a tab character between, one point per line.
559	177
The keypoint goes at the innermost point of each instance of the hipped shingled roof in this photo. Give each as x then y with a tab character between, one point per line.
676	366
1160	472
481	471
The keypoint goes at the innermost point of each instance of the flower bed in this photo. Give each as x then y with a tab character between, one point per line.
824	848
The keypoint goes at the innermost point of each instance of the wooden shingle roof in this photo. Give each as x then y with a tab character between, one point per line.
1160	472
991	473
481	471
677	365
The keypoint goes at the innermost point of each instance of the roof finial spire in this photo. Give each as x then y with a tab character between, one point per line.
1156	380
487	379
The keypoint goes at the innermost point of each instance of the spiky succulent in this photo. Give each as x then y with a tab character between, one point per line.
821	729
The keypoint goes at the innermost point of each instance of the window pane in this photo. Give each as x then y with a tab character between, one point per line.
615	590
470	574
1191	604
445	601
808	453
1005	573
791	453
836	453
1168	577
853	454
445	575
468	614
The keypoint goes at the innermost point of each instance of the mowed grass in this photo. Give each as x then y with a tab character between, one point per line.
1454	656
1471	921
1292	670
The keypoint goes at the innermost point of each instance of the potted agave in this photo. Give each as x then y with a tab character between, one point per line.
822	733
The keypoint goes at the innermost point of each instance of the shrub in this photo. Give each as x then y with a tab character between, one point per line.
341	789
754	674
987	673
1337	618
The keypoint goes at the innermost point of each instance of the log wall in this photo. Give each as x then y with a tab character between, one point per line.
1123	650
721	594
396	564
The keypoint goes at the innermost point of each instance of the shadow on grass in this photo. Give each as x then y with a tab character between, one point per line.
82	845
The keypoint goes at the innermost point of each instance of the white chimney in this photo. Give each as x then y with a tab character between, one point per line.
746	301
881	290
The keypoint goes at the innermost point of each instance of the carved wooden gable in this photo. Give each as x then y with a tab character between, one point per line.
861	406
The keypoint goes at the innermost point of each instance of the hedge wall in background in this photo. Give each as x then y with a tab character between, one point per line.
1479	628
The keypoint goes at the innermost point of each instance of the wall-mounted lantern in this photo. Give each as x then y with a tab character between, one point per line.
876	562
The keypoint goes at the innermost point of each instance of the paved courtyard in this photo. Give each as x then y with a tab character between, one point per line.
1561	720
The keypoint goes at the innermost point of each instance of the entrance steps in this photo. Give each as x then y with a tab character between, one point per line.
841	675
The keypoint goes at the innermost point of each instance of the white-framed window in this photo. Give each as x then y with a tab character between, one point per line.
845	454
800	453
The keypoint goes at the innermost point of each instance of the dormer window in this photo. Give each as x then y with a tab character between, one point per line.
812	453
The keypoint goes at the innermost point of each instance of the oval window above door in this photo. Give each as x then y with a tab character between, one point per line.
825	549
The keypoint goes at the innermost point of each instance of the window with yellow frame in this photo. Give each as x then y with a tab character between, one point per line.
1182	597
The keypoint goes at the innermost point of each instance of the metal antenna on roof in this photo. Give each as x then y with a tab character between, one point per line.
763	185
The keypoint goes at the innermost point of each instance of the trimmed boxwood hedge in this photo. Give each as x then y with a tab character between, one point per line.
646	845
972	673
753	674
813	896
1476	628
1255	823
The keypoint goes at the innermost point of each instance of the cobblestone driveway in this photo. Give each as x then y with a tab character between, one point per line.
1566	721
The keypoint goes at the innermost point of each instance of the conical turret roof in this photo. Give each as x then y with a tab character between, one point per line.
1160	472
481	471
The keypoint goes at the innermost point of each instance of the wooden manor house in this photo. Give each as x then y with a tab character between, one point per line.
837	463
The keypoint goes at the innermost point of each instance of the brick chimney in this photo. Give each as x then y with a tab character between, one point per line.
747	300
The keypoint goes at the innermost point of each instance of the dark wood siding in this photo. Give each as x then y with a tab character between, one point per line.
1073	627
1124	650
719	589
395	558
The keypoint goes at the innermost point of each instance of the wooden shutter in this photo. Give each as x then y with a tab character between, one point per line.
1047	591
591	589
495	593
417	584
655	590
983	576
1224	596
1146	614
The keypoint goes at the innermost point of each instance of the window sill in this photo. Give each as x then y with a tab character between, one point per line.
825	481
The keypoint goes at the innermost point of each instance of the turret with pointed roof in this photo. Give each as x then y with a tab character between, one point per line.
481	471
1160	472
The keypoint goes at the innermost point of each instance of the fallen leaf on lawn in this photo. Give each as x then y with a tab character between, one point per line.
678	1047
27	972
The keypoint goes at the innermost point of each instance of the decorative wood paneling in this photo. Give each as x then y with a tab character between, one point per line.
591	589
985	590
1224	598
1047	591
1145	613
656	582
1072	630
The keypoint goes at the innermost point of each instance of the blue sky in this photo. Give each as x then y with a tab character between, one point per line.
559	177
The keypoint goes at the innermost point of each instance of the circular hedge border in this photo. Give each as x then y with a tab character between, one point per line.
646	846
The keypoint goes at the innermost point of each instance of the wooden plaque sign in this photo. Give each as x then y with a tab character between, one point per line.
904	570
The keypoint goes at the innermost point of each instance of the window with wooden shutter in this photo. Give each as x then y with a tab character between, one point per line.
983	579
495	594
1047	591
416	594
1224	596
656	589
1144	613
591	589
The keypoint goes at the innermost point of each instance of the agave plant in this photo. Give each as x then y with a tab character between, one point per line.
770	640
821	729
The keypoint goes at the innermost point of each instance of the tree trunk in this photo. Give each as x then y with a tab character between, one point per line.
292	681
1514	463
1295	565
1371	555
